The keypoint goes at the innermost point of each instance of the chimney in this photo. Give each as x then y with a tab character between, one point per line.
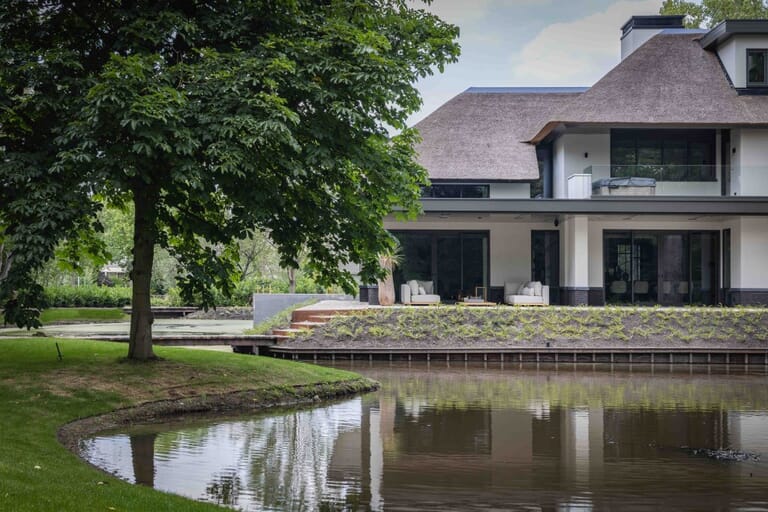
639	29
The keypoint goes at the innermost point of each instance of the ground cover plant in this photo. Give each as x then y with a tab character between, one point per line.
520	326
39	393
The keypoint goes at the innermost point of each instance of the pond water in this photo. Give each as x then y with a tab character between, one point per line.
476	438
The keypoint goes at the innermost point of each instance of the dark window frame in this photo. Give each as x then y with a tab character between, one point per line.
763	51
462	191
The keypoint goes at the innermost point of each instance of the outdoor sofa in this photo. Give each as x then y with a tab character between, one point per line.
418	292
530	293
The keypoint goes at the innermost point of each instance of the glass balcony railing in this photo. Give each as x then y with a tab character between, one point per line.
645	180
672	173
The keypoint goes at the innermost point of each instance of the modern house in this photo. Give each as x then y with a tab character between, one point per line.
650	187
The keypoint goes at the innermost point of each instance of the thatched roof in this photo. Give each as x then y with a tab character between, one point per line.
670	80
477	135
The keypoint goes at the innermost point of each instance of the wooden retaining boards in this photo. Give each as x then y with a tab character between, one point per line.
167	311
653	355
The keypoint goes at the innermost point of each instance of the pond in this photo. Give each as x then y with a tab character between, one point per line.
439	437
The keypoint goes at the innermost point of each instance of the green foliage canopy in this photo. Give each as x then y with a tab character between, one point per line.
709	13
213	118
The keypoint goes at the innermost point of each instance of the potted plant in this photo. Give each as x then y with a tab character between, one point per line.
389	261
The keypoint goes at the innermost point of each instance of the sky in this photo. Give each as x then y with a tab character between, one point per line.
515	43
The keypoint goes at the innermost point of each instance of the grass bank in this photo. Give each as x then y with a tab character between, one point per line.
80	315
558	326
39	394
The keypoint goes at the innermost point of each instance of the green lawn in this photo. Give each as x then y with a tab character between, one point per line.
39	393
56	315
75	315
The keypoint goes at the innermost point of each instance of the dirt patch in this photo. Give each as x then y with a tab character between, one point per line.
72	433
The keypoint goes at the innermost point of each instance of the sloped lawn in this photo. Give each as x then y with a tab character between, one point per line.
39	393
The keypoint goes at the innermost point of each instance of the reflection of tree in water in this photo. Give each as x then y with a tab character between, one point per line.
143	457
224	489
290	457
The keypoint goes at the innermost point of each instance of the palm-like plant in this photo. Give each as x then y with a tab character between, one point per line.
389	261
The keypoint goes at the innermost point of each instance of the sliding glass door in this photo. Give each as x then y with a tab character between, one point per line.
661	267
456	261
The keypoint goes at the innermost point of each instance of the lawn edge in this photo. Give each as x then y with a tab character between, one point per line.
72	433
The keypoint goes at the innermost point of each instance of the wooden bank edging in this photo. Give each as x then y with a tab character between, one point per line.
652	355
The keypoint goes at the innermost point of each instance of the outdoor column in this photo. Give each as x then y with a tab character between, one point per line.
576	235
749	245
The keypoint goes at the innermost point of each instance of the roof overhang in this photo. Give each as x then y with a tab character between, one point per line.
729	28
670	205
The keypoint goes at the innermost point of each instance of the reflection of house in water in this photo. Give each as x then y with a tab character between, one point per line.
548	455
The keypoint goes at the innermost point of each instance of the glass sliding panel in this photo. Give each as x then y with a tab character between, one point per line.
545	261
449	256
618	267
474	264
417	259
704	268
726	259
644	268
674	286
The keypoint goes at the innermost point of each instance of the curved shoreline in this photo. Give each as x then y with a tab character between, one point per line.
71	434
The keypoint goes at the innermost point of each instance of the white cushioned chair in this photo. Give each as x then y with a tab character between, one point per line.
530	293
418	292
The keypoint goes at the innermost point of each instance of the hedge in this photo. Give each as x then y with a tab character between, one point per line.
87	296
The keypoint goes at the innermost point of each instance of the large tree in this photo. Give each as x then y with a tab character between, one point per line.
709	13
214	118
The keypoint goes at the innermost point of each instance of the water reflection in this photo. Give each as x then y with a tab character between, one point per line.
473	438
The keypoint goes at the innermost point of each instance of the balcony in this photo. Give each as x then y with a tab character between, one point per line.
645	180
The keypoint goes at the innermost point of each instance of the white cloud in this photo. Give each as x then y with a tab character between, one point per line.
577	52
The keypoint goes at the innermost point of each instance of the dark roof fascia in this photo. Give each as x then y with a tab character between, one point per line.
653	21
670	205
728	28
474	181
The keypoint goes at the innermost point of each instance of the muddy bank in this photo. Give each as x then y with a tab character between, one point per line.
244	401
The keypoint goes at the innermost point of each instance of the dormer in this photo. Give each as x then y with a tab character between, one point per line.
742	46
639	29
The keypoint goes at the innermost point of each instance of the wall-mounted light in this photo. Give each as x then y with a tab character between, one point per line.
733	150
586	155
557	221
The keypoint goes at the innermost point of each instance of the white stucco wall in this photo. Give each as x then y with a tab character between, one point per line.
635	40
559	176
750	163
749	247
733	54
569	151
510	191
727	54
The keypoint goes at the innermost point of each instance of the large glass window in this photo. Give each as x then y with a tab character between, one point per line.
545	261
456	191
456	261
756	68
665	155
666	267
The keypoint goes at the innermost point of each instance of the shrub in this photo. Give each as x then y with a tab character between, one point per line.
87	296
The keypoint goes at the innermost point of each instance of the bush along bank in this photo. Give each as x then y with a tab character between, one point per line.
459	326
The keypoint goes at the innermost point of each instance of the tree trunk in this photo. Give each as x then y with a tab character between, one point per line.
140	344
291	280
